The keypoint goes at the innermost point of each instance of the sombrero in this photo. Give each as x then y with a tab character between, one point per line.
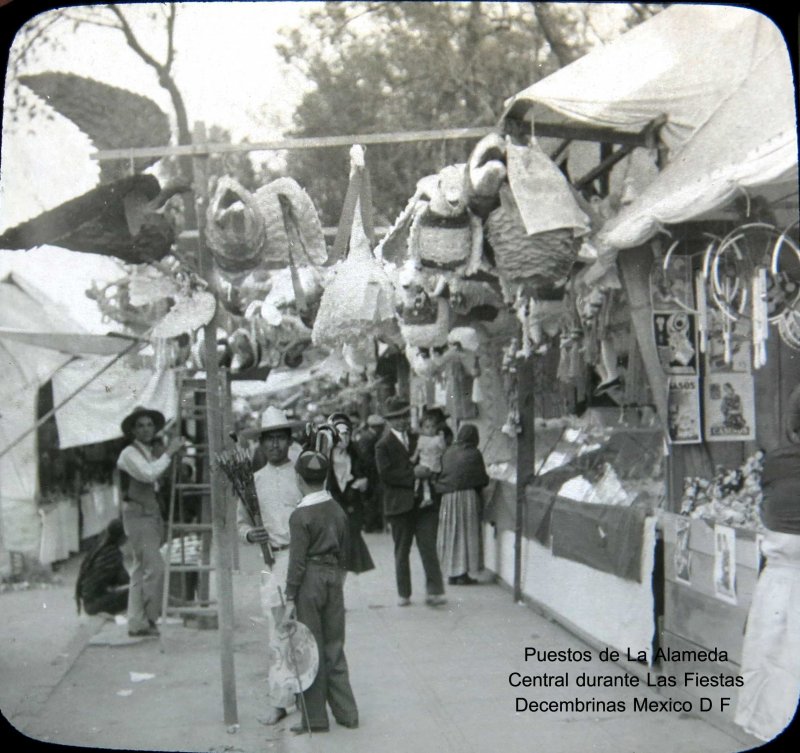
130	420
272	419
292	652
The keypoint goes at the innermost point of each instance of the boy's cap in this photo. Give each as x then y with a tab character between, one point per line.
312	466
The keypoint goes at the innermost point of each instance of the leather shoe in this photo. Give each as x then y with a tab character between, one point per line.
403	602
350	725
301	729
436	600
144	633
273	717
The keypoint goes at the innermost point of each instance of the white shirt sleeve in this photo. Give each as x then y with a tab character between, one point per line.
140	467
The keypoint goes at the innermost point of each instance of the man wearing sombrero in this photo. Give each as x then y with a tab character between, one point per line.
278	496
140	470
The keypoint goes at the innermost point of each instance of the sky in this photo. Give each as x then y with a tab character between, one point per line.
229	74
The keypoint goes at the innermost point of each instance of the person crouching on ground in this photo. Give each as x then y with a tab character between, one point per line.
315	593
102	584
463	475
141	515
278	495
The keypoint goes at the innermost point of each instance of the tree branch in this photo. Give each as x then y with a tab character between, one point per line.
170	37
133	42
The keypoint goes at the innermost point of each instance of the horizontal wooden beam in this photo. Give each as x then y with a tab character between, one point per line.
310	142
646	137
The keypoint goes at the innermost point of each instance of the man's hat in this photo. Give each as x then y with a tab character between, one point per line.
375	420
396	407
272	419
312	466
291	656
130	421
435	411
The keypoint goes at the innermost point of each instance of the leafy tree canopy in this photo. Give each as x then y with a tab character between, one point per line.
386	66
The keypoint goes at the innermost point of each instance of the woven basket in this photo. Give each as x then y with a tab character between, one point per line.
543	257
309	246
441	242
234	229
248	231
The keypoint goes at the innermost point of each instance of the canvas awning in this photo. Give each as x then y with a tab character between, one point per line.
721	75
69	342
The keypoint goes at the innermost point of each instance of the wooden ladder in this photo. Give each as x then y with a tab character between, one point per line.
189	527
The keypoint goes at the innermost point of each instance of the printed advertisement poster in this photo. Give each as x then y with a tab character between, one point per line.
740	358
676	342
683	556
725	563
729	408
674	287
683	408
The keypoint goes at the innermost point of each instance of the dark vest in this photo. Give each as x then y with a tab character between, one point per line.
140	494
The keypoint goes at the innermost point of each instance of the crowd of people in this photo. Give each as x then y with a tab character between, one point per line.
320	486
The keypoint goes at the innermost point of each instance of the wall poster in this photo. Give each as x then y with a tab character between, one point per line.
676	341
729	407
683	410
725	563
683	555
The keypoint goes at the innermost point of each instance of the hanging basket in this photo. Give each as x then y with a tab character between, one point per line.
234	229
276	225
543	258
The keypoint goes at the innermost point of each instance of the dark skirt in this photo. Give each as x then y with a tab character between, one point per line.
359	560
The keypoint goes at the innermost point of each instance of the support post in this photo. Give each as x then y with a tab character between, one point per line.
220	517
526	460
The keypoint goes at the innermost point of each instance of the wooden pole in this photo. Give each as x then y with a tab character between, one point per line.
526	459
220	517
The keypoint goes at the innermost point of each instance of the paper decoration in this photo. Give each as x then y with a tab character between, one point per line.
725	563
739	348
683	410
682	556
672	290
729	408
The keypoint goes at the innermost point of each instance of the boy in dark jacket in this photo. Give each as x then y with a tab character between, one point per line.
314	592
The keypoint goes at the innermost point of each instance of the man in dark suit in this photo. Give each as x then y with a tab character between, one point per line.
404	513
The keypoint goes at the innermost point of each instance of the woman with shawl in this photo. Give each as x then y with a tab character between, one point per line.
347	483
463	475
771	652
102	584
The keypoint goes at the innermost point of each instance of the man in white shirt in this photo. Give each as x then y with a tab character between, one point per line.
141	515
278	496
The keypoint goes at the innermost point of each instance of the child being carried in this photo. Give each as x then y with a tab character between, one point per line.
430	448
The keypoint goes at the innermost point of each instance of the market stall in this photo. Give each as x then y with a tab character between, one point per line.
57	484
707	257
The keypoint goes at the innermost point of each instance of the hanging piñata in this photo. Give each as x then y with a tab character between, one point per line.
357	303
